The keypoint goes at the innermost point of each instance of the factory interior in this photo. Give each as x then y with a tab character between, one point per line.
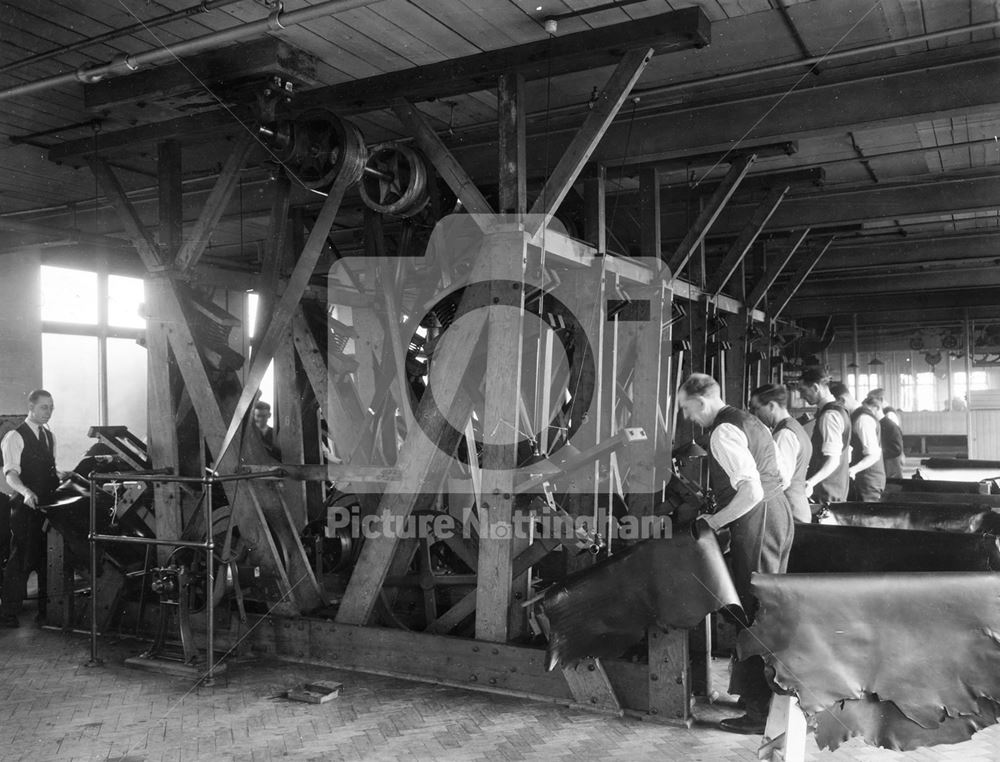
500	380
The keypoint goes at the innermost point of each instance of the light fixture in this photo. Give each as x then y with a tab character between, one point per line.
875	361
852	365
690	450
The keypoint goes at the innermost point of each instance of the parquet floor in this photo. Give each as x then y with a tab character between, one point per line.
54	708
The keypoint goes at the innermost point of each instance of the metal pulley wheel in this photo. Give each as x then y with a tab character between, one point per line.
324	146
395	180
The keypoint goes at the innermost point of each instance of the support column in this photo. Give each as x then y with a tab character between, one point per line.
162	424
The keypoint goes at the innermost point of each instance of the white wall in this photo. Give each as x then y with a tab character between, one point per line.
20	330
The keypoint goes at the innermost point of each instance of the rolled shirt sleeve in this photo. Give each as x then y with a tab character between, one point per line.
867	428
831	427
12	446
731	450
786	446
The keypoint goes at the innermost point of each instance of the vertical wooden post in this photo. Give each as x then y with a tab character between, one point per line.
511	144
162	427
649	212
595	224
669	692
289	425
504	254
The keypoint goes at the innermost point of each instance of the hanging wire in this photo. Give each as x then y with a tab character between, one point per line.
621	170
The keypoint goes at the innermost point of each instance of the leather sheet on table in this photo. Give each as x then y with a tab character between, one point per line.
928	517
926	643
601	611
821	548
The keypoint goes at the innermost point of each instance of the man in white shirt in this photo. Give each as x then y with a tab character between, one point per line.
29	466
770	404
827	479
744	476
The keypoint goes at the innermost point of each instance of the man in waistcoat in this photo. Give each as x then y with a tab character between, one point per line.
770	404
867	469
29	466
744	476
827	477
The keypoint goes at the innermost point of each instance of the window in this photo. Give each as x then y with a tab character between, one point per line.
90	324
267	382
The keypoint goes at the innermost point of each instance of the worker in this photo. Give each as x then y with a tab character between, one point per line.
794	450
29	466
867	471
261	416
893	451
827	478
744	476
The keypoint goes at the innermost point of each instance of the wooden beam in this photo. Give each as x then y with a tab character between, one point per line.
513	186
504	254
576	155
276	253
798	278
581	51
595	208
163	446
171	213
709	213
197	240
285	309
773	271
649	213
447	166
136	231
739	248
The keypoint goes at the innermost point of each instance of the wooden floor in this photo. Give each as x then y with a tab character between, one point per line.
52	707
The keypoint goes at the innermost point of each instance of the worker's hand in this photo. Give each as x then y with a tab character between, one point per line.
30	498
699	527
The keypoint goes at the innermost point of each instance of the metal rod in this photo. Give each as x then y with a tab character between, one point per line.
276	23
149	541
166	18
209	586
93	573
166	475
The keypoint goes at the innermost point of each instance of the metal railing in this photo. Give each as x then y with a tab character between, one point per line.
164	476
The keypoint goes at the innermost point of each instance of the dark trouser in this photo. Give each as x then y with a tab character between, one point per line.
868	486
894	467
761	541
27	554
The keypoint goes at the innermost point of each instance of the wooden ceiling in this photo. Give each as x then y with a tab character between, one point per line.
894	147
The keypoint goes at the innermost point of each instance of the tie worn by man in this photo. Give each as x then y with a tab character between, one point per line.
747	484
29	466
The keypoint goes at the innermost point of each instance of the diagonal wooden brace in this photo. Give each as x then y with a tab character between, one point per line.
739	248
578	152
710	213
197	240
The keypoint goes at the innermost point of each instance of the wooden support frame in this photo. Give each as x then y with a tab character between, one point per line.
294	597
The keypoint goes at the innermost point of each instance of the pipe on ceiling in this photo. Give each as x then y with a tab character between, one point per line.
127	64
203	7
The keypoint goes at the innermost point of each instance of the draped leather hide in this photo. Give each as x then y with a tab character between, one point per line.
929	517
601	611
904	660
820	548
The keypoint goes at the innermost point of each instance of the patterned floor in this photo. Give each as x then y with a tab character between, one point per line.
54	708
